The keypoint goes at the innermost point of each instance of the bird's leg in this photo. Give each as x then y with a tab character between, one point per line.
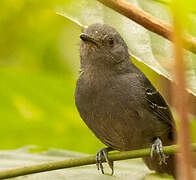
103	153
158	147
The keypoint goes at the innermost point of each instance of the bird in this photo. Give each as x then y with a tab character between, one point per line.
119	104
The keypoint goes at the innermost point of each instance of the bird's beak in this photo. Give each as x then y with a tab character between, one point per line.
86	37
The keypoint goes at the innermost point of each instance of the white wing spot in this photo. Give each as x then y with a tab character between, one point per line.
161	107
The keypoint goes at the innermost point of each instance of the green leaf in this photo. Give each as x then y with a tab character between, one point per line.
150	48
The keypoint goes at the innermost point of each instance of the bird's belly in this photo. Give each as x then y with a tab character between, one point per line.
122	130
118	123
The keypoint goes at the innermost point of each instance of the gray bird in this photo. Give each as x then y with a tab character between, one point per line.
118	103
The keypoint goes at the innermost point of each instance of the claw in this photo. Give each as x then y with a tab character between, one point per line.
103	153
159	149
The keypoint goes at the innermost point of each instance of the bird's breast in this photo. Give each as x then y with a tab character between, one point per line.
103	107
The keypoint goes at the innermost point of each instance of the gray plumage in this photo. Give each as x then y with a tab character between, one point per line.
116	100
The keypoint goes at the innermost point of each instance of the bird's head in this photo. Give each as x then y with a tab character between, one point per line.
102	45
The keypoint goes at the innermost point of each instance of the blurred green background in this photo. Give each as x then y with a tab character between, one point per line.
39	63
38	72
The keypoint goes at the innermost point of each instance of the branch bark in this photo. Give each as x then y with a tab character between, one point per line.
82	161
185	168
149	22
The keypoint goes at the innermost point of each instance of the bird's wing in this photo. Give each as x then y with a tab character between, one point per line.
157	104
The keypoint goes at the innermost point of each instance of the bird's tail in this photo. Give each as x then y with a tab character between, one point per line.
165	168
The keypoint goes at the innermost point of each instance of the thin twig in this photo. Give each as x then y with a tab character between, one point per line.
81	161
185	170
148	21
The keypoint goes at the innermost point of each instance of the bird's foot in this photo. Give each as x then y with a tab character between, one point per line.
158	147
103	153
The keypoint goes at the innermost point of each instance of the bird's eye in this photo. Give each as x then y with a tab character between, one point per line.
110	41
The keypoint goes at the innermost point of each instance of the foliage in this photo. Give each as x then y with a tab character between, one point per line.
39	63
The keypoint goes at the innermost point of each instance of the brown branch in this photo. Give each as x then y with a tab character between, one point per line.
185	170
148	21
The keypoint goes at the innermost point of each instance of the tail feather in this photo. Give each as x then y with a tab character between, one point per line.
154	164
